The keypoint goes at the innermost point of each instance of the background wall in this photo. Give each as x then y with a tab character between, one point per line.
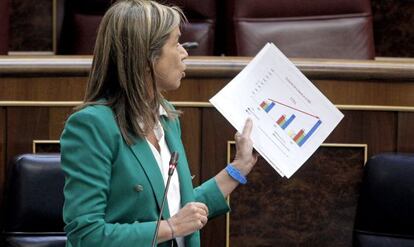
32	29
31	25
393	27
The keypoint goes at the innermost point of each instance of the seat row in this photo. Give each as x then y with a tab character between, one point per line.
34	201
311	29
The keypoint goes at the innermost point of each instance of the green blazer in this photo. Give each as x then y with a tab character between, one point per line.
113	191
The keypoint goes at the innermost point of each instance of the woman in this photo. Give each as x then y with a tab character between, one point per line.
116	147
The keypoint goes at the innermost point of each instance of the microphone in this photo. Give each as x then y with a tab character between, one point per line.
172	165
189	45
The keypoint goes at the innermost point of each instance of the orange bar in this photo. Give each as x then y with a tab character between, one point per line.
298	135
281	119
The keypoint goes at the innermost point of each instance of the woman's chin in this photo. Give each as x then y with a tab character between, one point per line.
172	87
177	85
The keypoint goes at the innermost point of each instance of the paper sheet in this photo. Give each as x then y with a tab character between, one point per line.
291	117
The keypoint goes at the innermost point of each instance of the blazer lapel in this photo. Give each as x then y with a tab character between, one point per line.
148	163
175	145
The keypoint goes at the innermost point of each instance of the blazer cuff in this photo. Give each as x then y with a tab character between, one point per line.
210	194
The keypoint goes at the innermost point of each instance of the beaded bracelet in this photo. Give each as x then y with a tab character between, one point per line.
172	229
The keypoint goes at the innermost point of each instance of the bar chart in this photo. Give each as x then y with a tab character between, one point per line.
285	116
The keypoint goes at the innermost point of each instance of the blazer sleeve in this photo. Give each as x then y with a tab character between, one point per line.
87	151
210	194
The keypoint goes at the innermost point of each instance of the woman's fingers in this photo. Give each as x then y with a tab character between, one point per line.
247	129
237	136
192	217
204	208
245	157
200	208
204	219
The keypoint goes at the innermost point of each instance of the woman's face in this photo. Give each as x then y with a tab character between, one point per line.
169	67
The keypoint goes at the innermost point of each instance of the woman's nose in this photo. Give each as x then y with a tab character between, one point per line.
183	52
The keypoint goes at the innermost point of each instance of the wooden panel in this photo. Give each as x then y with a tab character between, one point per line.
25	124
378	129
347	92
57	119
191	136
315	207
197	89
387	82
405	132
339	92
216	133
42	88
367	92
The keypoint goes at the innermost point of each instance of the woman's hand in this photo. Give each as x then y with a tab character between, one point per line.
190	218
245	158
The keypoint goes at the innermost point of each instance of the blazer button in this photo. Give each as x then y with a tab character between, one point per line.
138	188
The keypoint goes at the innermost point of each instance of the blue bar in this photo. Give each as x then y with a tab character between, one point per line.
269	107
310	133
286	124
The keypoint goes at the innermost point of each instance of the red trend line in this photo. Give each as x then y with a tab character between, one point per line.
295	109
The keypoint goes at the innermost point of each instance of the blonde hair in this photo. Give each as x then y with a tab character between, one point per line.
129	41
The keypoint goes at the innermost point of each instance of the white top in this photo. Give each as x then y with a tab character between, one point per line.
163	158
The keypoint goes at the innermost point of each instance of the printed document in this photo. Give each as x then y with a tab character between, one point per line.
291	117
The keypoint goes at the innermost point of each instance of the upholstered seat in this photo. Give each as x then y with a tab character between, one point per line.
307	29
201	27
78	22
385	213
34	198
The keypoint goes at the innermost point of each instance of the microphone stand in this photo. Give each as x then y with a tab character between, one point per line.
172	166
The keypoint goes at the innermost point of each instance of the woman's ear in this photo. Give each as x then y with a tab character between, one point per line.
151	64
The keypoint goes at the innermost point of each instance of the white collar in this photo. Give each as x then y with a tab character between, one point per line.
158	130
162	111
